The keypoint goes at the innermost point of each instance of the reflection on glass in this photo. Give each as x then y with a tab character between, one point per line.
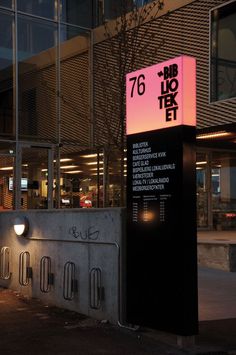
6	176
69	32
6	75
6	3
223	52
81	183
215	180
78	12
74	85
42	8
202	191
37	78
34	36
34	179
223	175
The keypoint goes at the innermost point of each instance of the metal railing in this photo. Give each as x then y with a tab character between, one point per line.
46	276
5	263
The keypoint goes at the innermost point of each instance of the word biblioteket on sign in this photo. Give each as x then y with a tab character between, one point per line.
161	96
169	87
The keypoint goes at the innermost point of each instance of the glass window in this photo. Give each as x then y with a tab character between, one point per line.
141	2
114	8
7	157
6	75
81	179
34	36
36	181
223	175
77	12
37	78
202	165
6	54
43	8
6	3
74	86
69	32
223	52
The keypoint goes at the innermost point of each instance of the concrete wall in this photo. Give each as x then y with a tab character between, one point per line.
88	238
217	255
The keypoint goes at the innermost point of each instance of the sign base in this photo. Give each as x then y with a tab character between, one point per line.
161	230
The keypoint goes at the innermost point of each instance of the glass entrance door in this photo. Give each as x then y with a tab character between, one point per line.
216	191
203	181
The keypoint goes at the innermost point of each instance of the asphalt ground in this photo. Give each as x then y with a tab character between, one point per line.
29	327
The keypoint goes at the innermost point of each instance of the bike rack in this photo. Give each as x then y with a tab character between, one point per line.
70	284
96	289
46	277
98	243
5	263
25	271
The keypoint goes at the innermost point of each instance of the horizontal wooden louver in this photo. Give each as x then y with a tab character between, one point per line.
184	31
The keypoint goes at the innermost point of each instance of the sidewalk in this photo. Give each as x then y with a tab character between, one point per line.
28	327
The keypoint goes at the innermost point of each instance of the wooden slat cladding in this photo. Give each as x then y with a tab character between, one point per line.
75	123
37	103
106	94
182	32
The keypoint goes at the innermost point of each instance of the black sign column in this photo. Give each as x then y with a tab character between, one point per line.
161	198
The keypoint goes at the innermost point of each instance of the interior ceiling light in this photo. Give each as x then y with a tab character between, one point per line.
63	160
91	155
73	172
94	162
94	169
69	167
7	168
201	162
213	135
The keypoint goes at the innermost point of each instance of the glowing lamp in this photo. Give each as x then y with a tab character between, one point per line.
21	225
161	96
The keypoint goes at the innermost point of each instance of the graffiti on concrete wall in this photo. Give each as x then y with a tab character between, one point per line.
90	233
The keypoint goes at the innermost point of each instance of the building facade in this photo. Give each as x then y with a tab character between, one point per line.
62	98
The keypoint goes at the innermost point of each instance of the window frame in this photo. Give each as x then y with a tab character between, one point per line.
210	100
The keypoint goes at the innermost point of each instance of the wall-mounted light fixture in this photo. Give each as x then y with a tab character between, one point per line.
21	225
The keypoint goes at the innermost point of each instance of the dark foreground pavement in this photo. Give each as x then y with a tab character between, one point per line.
29	327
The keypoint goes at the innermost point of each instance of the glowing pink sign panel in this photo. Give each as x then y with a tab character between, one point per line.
162	95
